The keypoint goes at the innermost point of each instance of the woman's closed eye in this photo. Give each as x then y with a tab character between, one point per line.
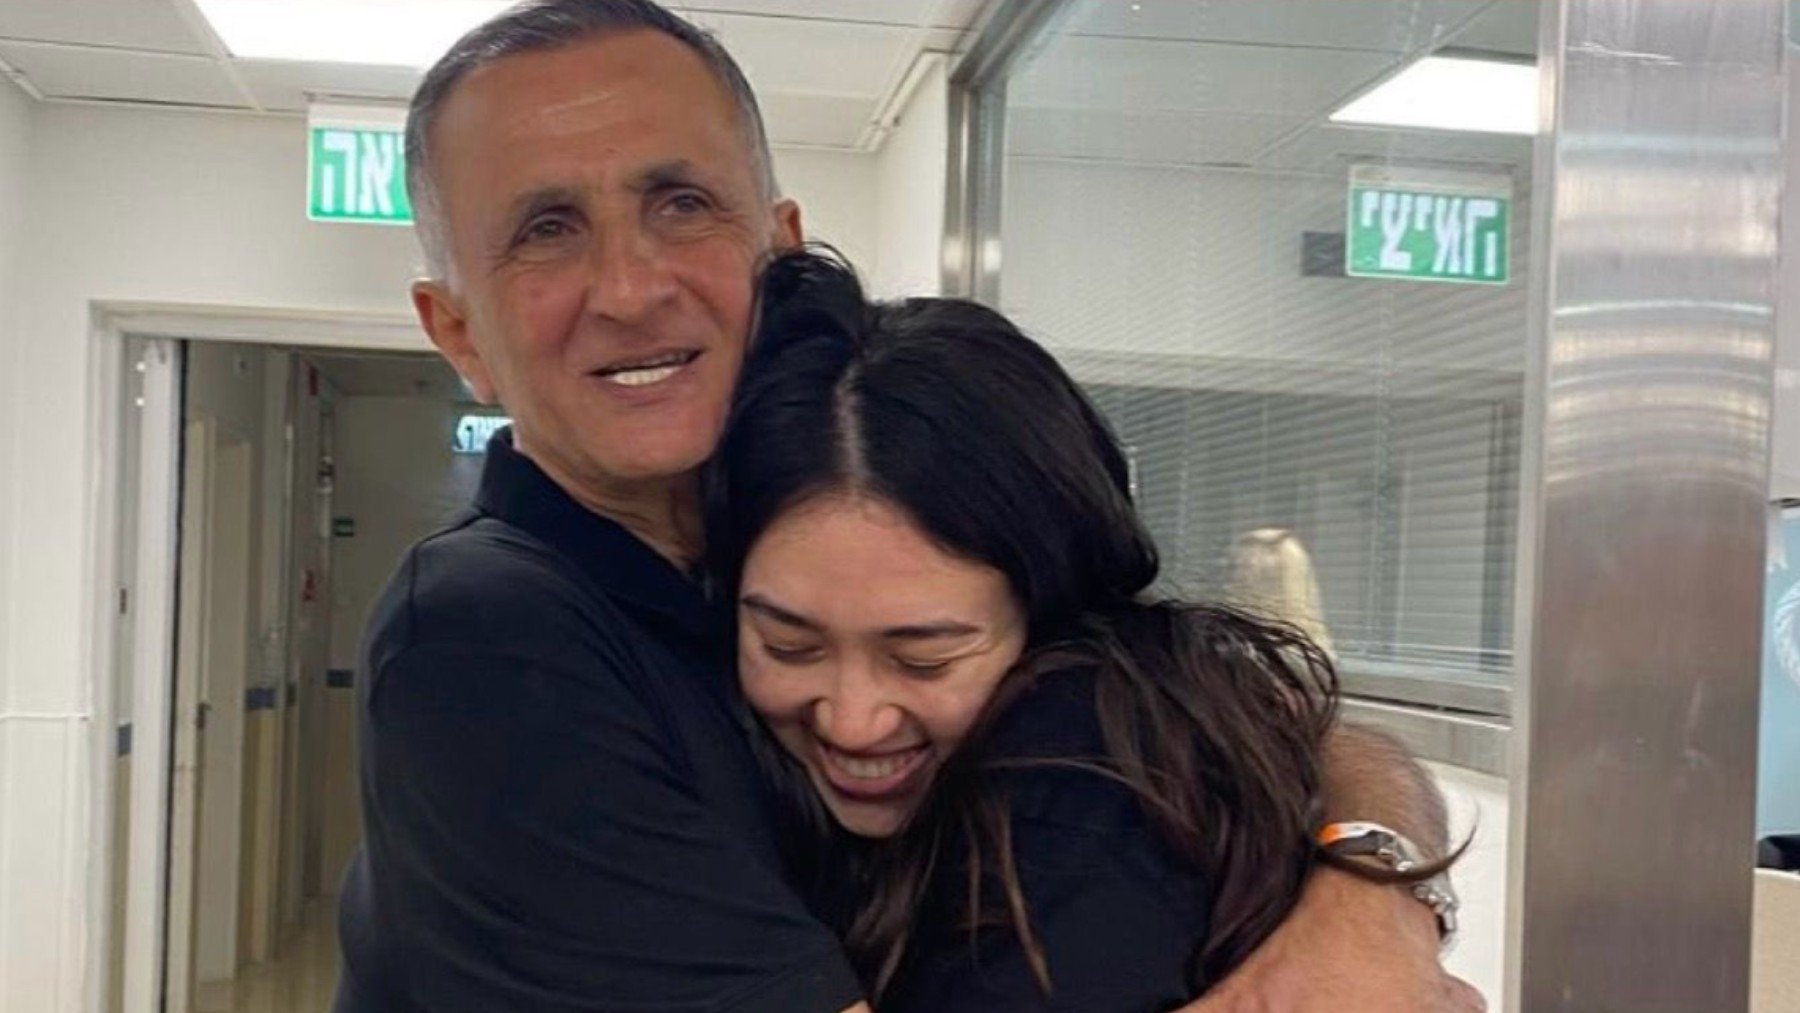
796	654
922	666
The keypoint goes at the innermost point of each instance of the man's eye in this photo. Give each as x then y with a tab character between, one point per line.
544	230
687	203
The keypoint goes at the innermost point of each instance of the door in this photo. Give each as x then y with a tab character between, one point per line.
151	588
199	450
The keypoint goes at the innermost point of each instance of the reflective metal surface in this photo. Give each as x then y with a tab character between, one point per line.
1642	552
971	256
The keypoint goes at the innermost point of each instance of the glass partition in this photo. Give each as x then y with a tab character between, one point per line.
1311	333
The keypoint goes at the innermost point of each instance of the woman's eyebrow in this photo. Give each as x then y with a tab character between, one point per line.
763	606
931	631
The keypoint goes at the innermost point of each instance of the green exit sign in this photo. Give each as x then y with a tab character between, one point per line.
1428	225
356	166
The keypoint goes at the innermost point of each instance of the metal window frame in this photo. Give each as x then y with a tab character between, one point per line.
1450	720
975	191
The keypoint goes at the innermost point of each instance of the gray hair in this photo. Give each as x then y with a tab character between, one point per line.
537	26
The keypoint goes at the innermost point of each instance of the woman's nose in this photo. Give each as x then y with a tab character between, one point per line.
855	715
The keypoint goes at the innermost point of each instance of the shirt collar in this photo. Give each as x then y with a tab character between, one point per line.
515	490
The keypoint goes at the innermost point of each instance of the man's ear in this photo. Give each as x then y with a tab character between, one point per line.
789	233
442	316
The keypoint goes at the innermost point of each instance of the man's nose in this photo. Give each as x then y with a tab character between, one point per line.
856	715
631	275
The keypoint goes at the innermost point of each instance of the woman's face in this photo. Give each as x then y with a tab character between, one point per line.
869	651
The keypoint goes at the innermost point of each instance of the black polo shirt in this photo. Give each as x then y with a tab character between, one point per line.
561	809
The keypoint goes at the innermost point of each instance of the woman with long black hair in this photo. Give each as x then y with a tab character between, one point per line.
1055	792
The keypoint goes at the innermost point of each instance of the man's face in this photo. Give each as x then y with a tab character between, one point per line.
605	223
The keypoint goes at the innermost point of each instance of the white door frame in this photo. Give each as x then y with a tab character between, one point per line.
153	596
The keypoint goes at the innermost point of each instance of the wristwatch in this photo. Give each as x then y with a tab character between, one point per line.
1392	849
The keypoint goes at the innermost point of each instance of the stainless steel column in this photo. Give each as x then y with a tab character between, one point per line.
1642	544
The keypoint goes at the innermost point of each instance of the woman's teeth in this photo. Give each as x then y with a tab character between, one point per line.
874	769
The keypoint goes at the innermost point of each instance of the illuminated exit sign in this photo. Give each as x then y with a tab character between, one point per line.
473	432
356	165
1428	225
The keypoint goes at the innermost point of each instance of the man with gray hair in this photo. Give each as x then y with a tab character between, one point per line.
562	810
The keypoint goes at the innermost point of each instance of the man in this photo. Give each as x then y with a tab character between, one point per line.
561	809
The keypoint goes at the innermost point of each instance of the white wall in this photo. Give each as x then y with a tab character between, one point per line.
836	191
39	890
16	121
909	186
1478	805
136	204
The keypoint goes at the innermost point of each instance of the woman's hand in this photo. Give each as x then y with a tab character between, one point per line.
1349	946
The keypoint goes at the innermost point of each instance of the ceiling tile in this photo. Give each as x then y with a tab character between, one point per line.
1330	148
285	87
1136	74
1390	26
74	72
1145	136
155	25
1505	26
815	120
946	13
813	57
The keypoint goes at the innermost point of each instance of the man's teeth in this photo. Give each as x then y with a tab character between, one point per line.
870	770
644	377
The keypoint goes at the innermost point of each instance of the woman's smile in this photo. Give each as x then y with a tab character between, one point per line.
881	777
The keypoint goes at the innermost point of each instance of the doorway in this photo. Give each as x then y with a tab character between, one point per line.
294	479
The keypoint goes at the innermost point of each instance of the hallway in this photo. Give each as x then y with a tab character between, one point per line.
303	978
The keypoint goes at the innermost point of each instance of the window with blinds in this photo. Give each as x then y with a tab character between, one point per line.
1176	204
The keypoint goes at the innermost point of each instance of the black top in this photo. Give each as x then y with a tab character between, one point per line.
1118	915
561	811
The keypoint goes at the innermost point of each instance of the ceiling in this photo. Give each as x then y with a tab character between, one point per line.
419	374
1209	82
1249	84
824	69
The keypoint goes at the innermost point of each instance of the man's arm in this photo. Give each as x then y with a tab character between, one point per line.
1369	776
1350	945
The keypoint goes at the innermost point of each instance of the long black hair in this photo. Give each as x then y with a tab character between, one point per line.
943	409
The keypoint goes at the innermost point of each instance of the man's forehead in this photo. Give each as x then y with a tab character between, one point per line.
632	75
616	104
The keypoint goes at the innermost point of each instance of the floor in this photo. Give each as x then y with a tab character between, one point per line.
303	978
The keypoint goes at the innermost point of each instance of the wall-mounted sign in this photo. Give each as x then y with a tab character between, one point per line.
473	432
356	165
1428	225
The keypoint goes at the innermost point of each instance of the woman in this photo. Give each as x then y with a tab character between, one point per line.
1069	796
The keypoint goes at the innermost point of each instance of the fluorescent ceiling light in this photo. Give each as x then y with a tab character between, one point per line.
398	33
1452	93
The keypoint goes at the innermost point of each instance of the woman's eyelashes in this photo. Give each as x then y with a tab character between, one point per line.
792	655
802	654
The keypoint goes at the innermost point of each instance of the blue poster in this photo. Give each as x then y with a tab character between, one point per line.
1778	765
